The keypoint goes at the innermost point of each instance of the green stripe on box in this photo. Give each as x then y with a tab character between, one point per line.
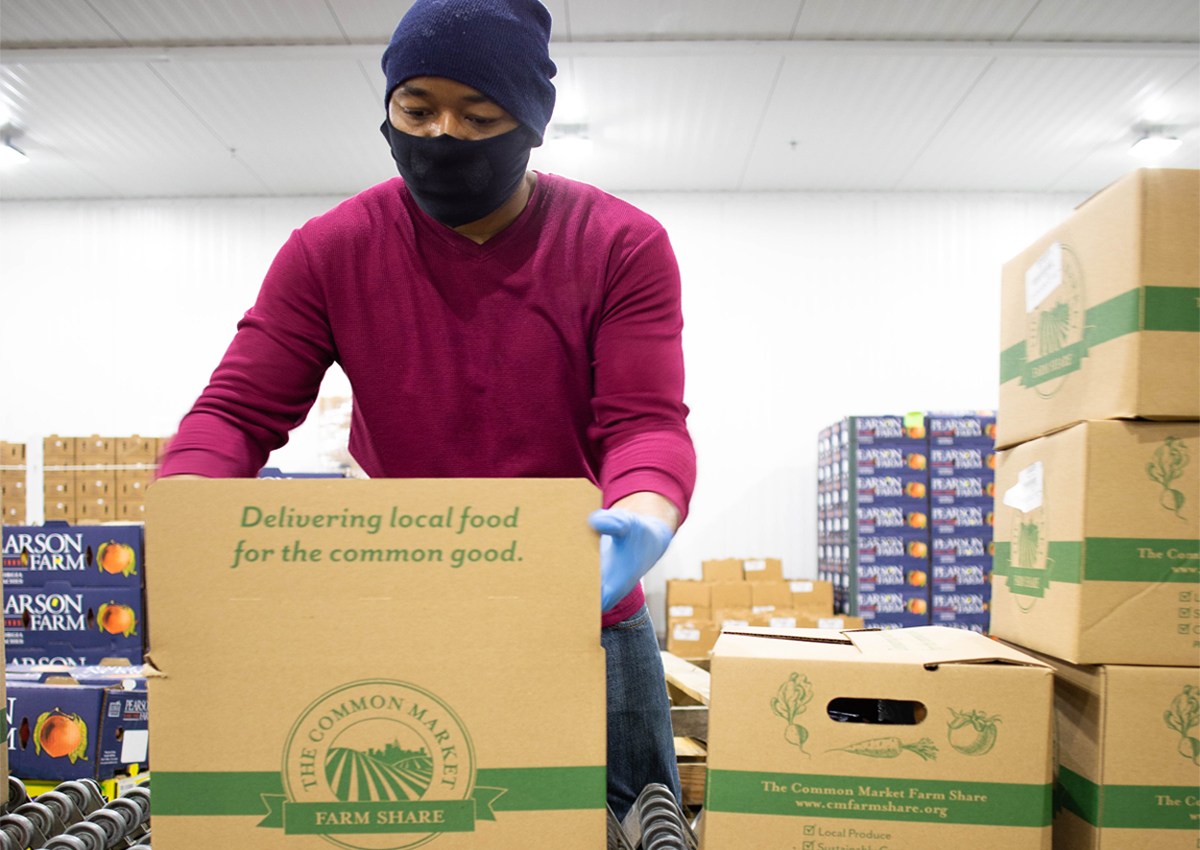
1150	560
1150	308
1128	806
1172	308
1064	561
235	794
874	798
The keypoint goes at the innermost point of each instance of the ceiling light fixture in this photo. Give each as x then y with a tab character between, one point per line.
1154	145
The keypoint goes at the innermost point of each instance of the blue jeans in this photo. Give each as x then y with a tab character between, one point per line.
641	747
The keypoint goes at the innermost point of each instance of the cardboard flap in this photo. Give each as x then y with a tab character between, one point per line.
810	635
935	645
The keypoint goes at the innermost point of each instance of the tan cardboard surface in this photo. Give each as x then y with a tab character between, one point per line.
1111	554
694	593
782	769
777	593
1112	339
430	682
731	594
724	569
1127	755
762	569
814	596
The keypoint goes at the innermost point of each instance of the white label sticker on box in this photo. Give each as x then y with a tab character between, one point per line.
1026	494
763	609
831	623
684	633
1043	277
681	611
734	624
783	622
135	745
801	586
754	566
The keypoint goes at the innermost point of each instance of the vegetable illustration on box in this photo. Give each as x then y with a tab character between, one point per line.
1053	325
113	558
889	748
1183	716
1169	461
791	701
61	735
972	733
117	619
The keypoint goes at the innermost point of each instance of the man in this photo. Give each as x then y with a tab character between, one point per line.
493	322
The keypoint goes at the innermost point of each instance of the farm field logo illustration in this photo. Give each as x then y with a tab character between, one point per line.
1055	325
379	764
1168	464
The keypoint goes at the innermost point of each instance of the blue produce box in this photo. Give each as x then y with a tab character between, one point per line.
75	731
963	489
67	656
885	458
80	555
129	677
968	547
59	619
908	552
956	520
907	431
893	488
952	460
962	428
949	607
894	519
898	608
883	577
962	577
979	626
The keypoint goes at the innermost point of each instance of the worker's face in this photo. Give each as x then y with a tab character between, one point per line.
435	106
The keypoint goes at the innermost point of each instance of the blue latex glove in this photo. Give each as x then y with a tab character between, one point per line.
631	544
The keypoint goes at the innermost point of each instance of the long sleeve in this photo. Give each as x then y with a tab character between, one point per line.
640	417
267	380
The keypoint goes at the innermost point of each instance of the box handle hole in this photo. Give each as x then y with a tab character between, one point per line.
891	712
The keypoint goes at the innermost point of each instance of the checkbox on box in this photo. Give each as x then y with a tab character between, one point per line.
810	830
1183	628
809	845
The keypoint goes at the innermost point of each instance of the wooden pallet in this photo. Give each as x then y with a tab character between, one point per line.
688	688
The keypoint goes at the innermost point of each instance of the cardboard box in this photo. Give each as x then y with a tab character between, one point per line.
12	454
1126	773
963	548
95	450
59	510
691	638
894	608
963	519
12	483
962	489
908	432
81	556
684	592
762	569
910	489
732	618
808	620
13	514
58	451
69	730
1097	546
731	594
724	569
953	460
883	577
58	619
127	677
58	485
814	597
136	449
962	428
95	483
910	552
894	519
1099	317
884	458
131	484
94	511
774	593
688	612
783	771
965	576
396	641
68	657
130	511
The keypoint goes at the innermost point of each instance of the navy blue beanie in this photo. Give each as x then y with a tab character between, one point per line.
499	47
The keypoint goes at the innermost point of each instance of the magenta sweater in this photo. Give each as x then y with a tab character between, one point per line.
552	350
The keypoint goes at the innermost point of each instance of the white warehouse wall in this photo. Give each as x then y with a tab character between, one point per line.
800	308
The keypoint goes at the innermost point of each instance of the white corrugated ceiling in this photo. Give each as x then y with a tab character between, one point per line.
160	98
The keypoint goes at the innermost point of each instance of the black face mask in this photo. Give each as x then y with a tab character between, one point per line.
455	181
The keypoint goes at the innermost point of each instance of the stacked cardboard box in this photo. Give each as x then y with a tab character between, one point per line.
1097	556
873	515
98	479
73	595
743	592
12	483
961	487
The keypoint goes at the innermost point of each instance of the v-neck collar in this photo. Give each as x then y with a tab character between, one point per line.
430	227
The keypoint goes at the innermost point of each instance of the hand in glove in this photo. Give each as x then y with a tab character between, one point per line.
631	544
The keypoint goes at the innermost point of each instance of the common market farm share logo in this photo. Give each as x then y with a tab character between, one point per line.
1029	570
379	765
1054	332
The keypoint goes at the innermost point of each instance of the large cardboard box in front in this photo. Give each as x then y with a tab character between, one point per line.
1128	745
1099	317
974	771
1098	544
376	664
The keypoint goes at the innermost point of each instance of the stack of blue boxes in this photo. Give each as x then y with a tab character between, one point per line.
873	518
962	485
